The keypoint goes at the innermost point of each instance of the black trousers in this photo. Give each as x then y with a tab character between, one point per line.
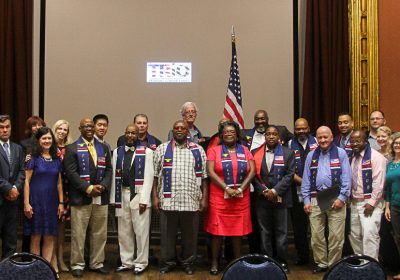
272	220
188	223
254	237
8	228
300	225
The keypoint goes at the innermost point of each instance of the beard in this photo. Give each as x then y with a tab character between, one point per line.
261	129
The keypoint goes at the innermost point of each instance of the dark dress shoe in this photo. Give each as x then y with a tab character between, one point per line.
166	269
100	270
188	270
318	269
122	268
77	272
285	268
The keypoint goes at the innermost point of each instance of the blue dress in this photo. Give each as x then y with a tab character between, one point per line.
43	196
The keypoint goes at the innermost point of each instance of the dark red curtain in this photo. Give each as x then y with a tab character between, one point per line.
16	28
326	89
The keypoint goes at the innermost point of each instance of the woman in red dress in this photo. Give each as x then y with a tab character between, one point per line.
231	168
61	133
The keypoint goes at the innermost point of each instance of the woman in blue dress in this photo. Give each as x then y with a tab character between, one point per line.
43	194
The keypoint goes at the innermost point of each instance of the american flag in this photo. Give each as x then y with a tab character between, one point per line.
233	102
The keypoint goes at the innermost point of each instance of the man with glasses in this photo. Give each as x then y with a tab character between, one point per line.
189	113
12	177
87	164
376	120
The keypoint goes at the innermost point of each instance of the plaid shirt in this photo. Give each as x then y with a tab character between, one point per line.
186	194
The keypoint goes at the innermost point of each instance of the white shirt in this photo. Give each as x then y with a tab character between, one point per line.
258	140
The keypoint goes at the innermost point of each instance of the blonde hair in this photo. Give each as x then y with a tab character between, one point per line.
68	139
385	129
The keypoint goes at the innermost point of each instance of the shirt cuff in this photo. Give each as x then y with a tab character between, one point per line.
89	189
342	198
14	186
306	200
372	202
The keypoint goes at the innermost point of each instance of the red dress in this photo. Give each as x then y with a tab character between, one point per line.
227	217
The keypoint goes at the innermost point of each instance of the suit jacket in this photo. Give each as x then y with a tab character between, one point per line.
285	134
11	175
143	195
283	187
78	186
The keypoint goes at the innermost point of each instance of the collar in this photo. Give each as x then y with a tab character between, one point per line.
302	142
88	142
144	138
347	137
184	146
98	139
360	155
258	133
8	142
370	136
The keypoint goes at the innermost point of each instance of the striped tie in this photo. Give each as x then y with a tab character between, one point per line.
5	146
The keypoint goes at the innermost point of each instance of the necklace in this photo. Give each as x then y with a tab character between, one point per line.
47	157
232	150
394	165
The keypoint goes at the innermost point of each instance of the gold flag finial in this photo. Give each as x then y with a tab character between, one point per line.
233	34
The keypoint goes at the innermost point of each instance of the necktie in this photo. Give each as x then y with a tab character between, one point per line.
356	169
343	142
92	153
5	146
126	180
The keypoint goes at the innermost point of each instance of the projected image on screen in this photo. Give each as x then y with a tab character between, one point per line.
169	72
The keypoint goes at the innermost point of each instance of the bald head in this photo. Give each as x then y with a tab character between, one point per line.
358	141
324	137
84	120
86	127
131	134
261	121
301	129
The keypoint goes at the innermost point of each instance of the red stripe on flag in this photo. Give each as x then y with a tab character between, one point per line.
234	109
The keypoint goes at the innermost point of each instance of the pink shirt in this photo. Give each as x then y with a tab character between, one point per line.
378	165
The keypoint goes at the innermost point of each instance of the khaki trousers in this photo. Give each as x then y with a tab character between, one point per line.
132	227
82	216
364	235
327	254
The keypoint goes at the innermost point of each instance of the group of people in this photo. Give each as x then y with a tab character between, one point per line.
242	182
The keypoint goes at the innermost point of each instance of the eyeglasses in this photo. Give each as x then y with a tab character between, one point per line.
375	119
396	143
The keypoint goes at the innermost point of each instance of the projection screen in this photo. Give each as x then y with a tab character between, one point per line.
96	52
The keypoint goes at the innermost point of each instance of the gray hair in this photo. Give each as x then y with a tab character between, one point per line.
187	104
